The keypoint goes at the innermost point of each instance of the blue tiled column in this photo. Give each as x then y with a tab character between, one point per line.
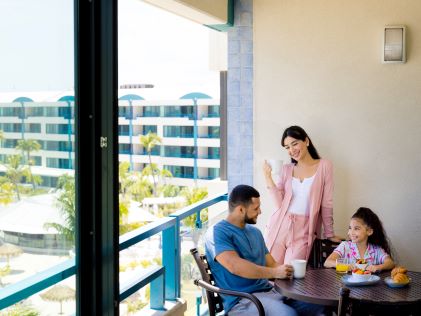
240	95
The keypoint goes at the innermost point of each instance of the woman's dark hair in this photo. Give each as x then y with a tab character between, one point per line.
241	195
379	237
299	133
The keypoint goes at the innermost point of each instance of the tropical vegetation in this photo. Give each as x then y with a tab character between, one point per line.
149	141
18	168
27	146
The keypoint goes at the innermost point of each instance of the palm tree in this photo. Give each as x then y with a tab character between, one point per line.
141	188
169	190
164	174
66	204
125	177
6	191
149	141
27	146
193	195
15	171
1	138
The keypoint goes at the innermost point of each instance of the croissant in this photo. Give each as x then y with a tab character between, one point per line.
398	270
400	278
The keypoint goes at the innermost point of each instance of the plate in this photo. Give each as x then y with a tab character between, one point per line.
349	280
392	283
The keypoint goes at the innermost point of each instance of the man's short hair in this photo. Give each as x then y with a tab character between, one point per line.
241	195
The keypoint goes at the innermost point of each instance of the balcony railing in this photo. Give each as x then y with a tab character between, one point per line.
209	136
208	177
179	135
165	280
211	115
183	175
178	155
149	114
209	157
179	114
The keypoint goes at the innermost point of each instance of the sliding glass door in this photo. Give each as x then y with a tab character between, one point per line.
37	149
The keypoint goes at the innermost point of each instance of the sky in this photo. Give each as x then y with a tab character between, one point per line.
155	47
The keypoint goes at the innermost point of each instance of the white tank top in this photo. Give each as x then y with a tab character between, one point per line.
300	196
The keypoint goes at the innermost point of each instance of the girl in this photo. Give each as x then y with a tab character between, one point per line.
303	199
368	241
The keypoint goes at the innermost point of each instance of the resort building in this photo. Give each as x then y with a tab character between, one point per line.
188	127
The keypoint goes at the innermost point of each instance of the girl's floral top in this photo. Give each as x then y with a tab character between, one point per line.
374	254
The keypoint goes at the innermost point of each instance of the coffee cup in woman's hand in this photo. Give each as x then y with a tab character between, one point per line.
275	165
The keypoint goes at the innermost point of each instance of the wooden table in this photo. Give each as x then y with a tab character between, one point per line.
321	286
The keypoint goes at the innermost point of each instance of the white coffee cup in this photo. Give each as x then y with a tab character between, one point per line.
299	266
276	165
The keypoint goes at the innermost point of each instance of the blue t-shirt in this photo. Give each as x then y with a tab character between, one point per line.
249	244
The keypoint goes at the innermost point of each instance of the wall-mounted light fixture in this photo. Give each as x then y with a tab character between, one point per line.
394	44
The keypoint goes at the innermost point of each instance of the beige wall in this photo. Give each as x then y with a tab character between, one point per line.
317	63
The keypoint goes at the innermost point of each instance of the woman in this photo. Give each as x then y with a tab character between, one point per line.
303	199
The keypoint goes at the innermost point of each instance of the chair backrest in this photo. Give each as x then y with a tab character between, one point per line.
214	300
321	249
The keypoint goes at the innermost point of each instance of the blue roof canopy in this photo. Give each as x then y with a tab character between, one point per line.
23	99
131	97
196	95
67	98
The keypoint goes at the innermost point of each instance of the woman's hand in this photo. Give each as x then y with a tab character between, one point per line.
267	170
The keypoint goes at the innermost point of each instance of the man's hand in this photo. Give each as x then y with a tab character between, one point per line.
284	271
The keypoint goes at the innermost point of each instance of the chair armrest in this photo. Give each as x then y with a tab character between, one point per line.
214	289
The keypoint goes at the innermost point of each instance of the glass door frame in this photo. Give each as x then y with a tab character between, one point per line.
96	94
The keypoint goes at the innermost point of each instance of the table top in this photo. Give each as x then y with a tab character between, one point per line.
322	286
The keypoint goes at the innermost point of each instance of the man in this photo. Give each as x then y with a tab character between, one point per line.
239	259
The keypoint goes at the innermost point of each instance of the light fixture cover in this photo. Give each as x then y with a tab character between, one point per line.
394	44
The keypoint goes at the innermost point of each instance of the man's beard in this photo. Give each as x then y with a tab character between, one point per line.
249	220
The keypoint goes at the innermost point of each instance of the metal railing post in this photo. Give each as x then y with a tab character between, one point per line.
171	260
157	298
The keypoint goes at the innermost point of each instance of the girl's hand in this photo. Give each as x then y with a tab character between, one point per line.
373	268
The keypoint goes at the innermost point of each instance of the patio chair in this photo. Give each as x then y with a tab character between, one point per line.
213	293
356	307
322	248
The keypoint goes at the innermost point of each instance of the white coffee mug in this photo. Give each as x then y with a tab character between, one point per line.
299	266
276	165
